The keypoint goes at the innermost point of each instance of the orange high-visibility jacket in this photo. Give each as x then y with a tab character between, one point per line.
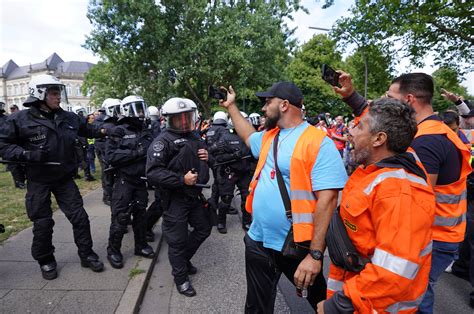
451	203
303	201
388	214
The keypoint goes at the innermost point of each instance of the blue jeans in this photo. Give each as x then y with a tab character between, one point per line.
443	254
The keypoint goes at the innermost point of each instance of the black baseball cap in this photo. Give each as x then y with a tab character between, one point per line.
284	90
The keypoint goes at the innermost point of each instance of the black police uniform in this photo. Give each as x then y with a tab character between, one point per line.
212	135
170	157
107	177
17	170
127	154
155	210
37	136
230	149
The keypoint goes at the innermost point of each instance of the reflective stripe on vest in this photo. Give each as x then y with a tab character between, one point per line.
450	198
405	305
395	264
399	174
427	250
302	195
335	285
449	221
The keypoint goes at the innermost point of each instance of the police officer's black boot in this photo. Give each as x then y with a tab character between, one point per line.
48	269
221	219
115	242
142	248
186	289
92	261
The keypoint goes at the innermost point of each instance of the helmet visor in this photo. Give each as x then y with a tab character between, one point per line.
182	122
137	109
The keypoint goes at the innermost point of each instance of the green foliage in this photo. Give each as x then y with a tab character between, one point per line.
379	66
441	27
448	79
305	71
135	272
178	48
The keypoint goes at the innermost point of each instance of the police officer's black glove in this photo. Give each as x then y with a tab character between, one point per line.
237	155
116	132
141	151
35	155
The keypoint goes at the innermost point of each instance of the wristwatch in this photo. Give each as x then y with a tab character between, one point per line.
316	254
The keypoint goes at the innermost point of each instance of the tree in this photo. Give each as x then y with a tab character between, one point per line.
380	69
414	28
305	71
448	79
178	48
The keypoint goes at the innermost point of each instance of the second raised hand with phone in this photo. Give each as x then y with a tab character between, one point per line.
330	75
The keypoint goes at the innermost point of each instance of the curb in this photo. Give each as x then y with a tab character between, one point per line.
135	291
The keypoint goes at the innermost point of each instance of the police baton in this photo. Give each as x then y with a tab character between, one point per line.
230	161
14	162
198	185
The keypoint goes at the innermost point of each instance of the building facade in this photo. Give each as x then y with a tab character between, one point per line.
14	81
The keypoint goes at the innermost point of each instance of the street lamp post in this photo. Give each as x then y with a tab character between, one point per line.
361	48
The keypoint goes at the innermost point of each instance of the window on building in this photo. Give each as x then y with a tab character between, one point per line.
69	108
68	89
22	88
78	90
15	89
9	90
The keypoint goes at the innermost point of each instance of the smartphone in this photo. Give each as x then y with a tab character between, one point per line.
330	75
216	93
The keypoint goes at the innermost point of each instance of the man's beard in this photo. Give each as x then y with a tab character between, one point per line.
361	157
271	123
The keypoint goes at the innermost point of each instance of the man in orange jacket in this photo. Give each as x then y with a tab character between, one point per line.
445	158
387	208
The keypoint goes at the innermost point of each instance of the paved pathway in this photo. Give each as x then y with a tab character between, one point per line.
77	289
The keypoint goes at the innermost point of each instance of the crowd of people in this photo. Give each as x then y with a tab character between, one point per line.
388	192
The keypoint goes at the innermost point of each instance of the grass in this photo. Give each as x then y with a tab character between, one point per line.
135	272
12	202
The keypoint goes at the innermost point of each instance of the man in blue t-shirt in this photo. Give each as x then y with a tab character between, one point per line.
264	242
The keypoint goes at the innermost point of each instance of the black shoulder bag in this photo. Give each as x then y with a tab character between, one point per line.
291	249
341	249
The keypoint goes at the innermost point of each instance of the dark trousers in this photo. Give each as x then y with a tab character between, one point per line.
106	177
263	268
130	200
182	243
38	208
154	212
465	263
227	181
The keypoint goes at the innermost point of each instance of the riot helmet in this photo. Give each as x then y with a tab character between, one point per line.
39	86
134	107
219	118
254	118
154	113
112	107
80	111
230	124
181	114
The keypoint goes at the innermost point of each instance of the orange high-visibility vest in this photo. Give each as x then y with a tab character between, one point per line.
303	201
451	203
388	214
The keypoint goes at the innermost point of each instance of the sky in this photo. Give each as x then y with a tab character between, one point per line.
31	30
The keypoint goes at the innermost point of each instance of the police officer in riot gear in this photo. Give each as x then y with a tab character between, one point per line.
126	152
107	120
234	170
177	161
218	126
154	211
43	133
